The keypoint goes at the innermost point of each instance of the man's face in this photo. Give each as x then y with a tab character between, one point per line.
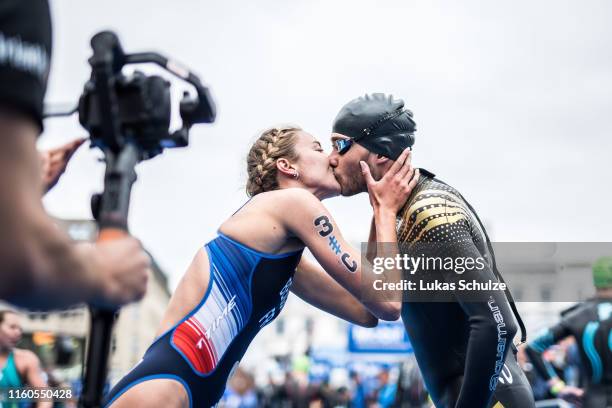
10	330
346	166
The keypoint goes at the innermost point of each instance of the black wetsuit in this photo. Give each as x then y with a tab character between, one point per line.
591	325
461	346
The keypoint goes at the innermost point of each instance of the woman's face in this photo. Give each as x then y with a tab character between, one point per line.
10	330
313	167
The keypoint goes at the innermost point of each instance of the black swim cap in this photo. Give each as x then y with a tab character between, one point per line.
377	122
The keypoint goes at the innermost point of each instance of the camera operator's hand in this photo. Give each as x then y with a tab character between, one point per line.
54	161
120	271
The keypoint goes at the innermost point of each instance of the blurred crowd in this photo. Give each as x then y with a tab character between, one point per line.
305	382
399	385
296	391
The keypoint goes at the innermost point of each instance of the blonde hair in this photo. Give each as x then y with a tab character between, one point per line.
272	144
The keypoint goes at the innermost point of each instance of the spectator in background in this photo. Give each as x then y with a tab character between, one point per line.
240	392
411	390
357	390
590	323
19	368
270	395
538	384
342	397
387	390
571	362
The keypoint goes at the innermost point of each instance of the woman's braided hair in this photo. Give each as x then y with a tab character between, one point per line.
273	144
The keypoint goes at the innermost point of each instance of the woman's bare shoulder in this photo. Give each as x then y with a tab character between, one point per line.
282	202
272	214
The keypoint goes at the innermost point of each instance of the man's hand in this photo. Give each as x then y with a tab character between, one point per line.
120	271
393	189
54	162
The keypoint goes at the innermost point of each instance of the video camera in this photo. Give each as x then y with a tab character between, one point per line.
117	109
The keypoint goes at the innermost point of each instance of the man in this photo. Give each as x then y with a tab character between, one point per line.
461	345
40	266
387	390
18	368
590	323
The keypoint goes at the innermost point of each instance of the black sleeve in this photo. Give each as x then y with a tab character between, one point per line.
443	228
491	331
25	56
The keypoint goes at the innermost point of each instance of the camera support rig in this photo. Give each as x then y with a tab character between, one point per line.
128	118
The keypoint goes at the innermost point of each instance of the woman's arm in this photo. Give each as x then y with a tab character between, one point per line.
309	220
313	285
31	372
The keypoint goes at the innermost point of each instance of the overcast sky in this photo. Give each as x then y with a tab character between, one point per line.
512	100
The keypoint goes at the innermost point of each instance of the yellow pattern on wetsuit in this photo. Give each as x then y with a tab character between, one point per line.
437	214
431	213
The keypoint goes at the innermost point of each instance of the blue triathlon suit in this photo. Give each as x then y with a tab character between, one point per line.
247	290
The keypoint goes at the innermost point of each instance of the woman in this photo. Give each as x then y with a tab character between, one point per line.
19	368
240	280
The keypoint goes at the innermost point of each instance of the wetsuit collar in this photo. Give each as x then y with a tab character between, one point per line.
426	172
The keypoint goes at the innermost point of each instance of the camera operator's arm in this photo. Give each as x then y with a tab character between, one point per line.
41	266
54	162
